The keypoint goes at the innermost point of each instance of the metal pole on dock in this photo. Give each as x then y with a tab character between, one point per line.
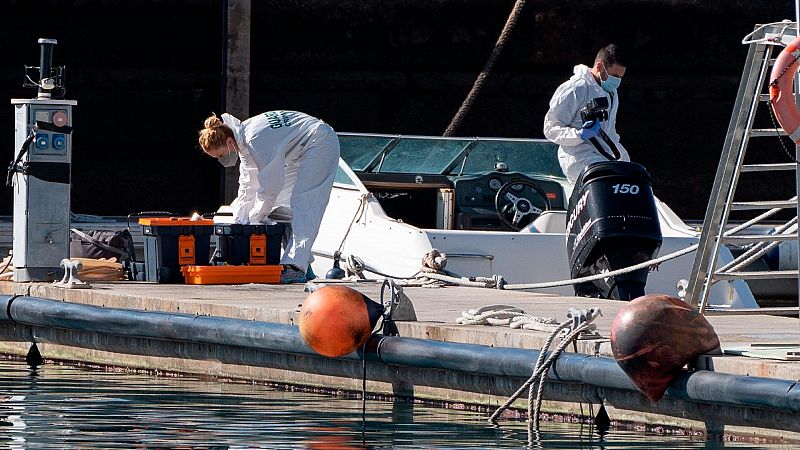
236	95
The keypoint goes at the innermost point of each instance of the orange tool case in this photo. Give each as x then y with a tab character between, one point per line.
269	274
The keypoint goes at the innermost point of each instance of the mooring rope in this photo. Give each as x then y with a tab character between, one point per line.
498	282
429	277
478	85
761	248
599	276
579	322
538	371
362	208
435	275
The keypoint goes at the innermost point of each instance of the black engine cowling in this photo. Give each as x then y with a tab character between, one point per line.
612	224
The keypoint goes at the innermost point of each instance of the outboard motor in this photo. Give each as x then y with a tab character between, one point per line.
612	224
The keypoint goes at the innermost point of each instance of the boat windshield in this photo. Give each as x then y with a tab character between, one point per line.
372	153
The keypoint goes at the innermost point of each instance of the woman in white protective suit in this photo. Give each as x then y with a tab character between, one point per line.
288	163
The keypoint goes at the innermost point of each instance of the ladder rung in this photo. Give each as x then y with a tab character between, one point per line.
746	239
766	132
768	167
770	204
763	97
758	275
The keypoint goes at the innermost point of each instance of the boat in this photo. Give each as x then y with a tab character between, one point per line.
398	198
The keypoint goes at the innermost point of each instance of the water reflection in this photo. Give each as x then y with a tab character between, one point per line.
59	406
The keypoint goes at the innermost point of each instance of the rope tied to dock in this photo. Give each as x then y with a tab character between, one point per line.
452	279
577	323
430	277
435	275
434	260
354	267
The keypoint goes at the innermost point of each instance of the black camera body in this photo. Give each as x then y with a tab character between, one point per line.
596	109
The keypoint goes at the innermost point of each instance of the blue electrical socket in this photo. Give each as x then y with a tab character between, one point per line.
42	141
59	141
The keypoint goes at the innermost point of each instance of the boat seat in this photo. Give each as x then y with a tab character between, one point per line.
549	221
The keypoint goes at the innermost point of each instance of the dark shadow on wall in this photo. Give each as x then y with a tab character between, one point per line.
146	73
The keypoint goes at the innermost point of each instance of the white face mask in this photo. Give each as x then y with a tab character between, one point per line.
229	160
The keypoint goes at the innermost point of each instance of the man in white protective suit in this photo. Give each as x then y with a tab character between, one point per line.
583	114
288	163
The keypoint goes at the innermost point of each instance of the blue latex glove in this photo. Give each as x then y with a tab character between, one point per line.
590	129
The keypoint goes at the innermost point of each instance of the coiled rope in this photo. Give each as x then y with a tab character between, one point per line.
506	315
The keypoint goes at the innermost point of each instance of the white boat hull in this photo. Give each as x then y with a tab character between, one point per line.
395	249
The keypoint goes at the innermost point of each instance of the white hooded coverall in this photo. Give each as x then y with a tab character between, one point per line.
288	161
563	122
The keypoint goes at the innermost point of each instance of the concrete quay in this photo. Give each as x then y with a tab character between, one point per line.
436	311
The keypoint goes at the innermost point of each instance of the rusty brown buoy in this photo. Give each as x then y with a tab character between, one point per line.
654	336
337	320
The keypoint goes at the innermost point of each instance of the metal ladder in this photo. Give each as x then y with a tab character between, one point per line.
716	231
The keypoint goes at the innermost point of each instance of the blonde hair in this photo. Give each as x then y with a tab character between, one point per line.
214	133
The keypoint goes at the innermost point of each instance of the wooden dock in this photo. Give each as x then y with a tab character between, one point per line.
753	336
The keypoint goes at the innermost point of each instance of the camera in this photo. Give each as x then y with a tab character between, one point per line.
596	109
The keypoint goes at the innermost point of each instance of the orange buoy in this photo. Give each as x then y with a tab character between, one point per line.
781	95
337	320
329	438
654	336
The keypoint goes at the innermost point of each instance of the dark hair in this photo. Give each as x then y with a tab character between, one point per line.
611	54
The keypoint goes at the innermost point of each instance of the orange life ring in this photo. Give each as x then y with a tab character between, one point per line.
781	82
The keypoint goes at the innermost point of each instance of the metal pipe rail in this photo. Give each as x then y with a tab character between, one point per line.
701	386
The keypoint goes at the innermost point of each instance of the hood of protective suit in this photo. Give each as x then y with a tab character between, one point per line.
582	71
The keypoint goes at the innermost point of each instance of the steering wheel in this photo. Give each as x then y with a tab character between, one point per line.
516	210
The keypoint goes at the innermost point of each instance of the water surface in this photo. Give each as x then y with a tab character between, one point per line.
62	406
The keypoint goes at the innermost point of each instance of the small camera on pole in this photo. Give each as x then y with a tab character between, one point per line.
596	109
50	80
